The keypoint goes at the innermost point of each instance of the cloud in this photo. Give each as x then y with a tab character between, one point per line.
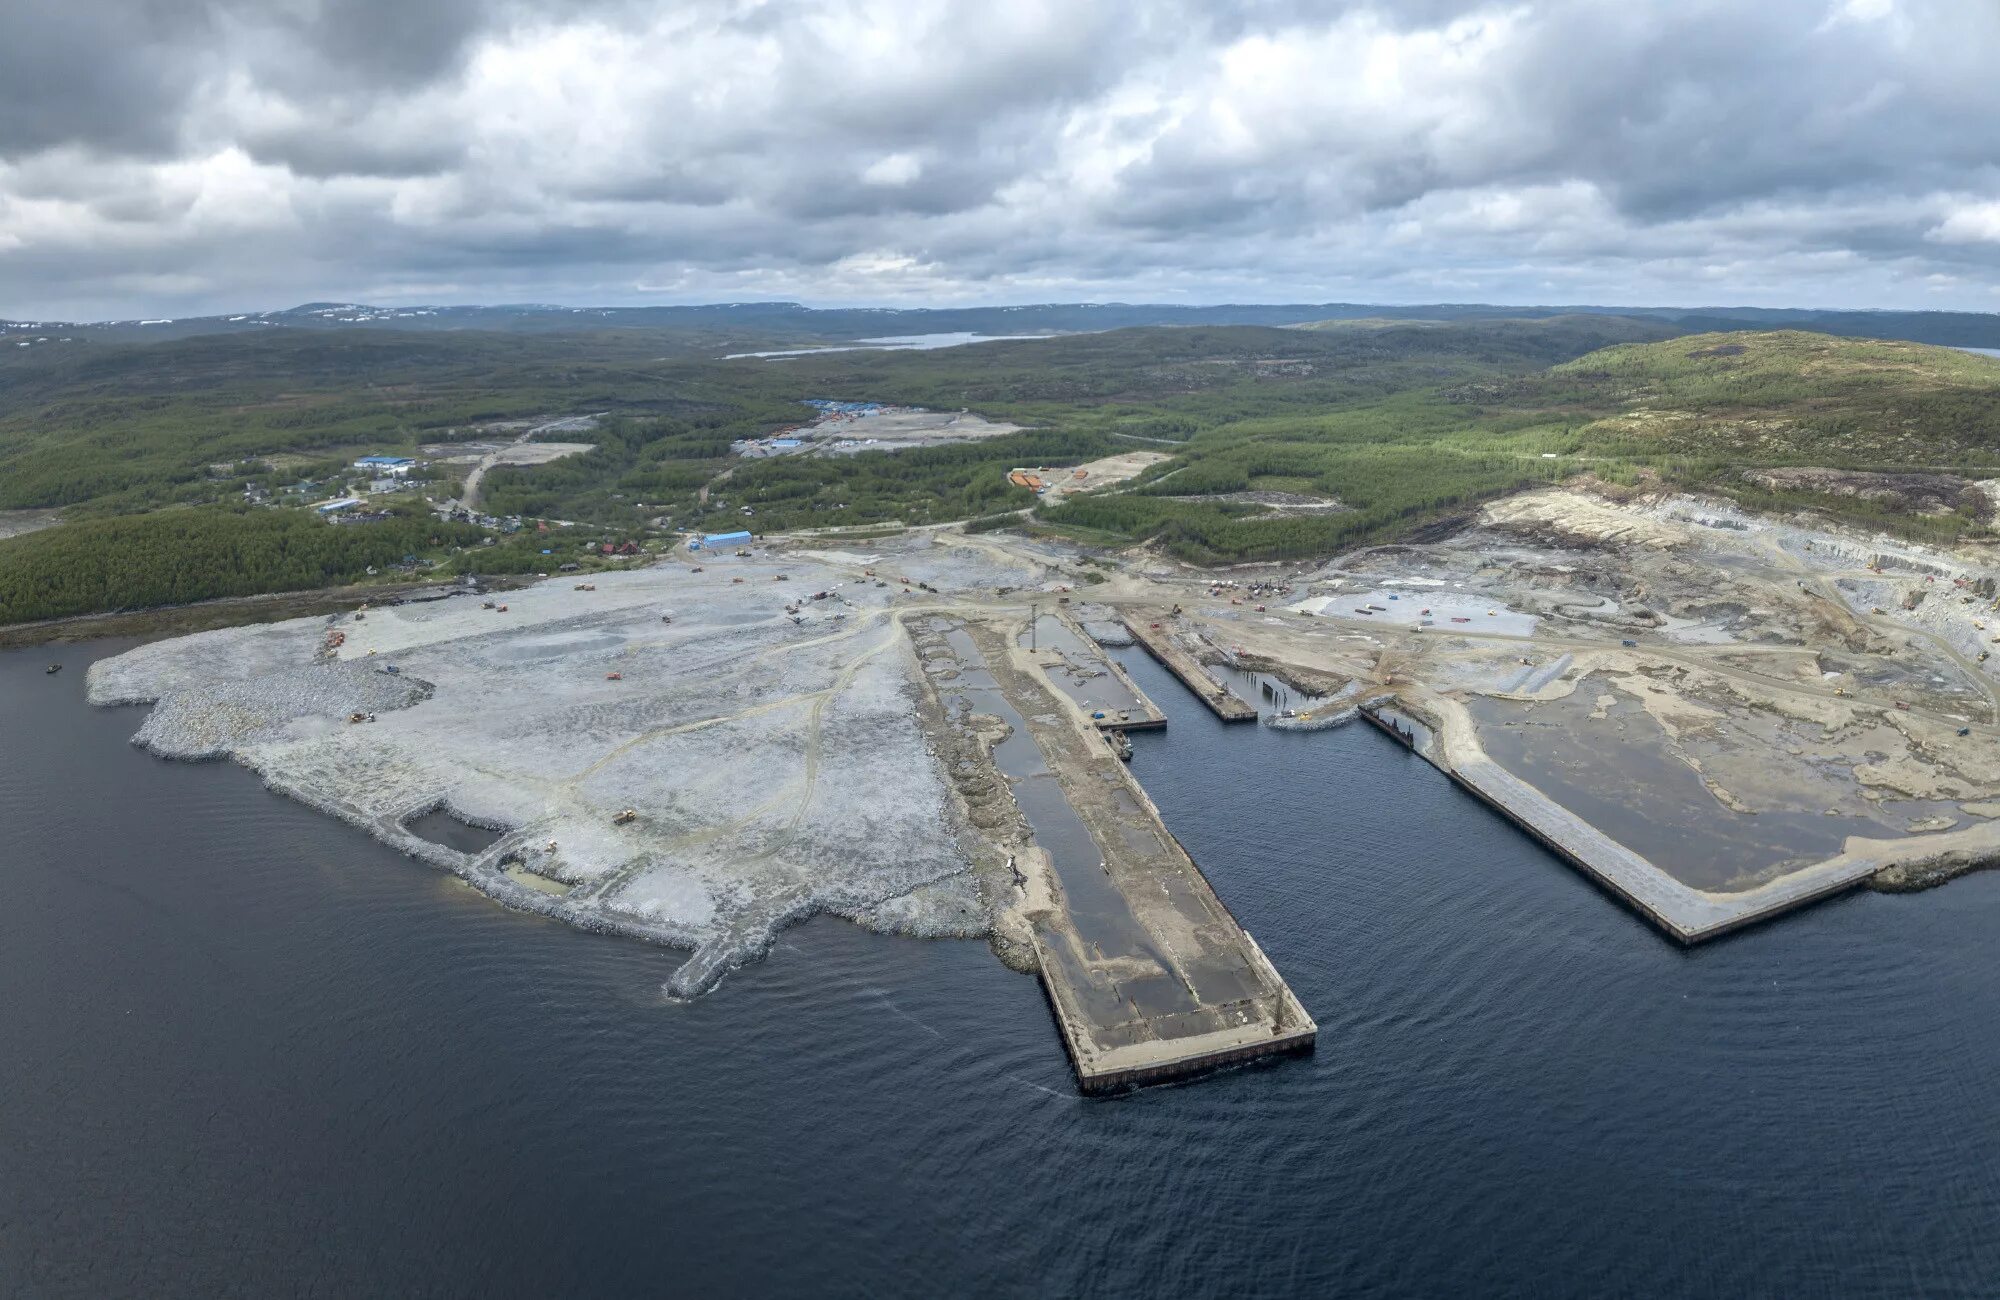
1970	223
183	155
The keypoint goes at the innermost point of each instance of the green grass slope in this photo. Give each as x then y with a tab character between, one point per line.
1784	397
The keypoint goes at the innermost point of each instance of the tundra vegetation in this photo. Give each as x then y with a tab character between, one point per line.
1280	442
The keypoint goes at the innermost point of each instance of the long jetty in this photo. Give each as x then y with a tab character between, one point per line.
1223	702
1149	975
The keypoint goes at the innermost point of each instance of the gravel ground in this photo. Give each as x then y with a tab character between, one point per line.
777	766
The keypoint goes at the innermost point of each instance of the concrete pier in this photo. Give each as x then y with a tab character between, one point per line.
1077	666
1147	973
1686	914
1153	634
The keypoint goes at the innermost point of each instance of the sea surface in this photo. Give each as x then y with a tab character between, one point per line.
247	1050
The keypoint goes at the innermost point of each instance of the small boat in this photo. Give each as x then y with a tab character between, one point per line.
1120	745
53	668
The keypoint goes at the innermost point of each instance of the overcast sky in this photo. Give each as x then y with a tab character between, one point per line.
163	157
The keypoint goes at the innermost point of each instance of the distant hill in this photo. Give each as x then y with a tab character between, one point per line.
1784	396
791	321
1554	338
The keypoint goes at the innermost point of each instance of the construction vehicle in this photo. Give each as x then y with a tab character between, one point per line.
585	586
361	717
487	604
626	817
614	677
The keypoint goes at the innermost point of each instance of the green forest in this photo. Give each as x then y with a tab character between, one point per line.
1381	426
173	557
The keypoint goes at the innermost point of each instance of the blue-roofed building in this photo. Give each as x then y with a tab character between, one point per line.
713	540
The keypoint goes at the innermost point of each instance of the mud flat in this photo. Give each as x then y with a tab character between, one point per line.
1178	660
1149	976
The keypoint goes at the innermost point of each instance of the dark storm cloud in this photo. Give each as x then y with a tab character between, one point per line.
187	154
63	82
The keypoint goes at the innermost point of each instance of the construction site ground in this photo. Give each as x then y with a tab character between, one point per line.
1718	716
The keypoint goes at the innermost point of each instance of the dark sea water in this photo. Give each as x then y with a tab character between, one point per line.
247	1050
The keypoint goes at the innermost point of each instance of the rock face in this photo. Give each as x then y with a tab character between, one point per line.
775	762
1929	873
